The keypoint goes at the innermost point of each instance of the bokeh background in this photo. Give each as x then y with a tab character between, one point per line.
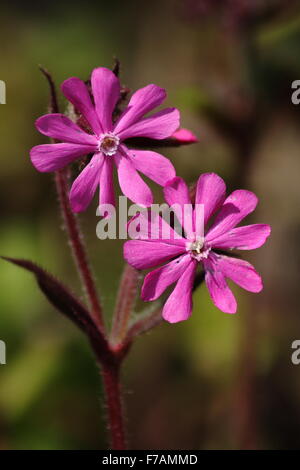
216	381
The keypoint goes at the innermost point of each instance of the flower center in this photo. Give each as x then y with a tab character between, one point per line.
108	143
197	249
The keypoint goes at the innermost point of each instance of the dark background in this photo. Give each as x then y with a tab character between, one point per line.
216	381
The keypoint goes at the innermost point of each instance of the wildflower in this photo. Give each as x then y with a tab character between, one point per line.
199	248
107	141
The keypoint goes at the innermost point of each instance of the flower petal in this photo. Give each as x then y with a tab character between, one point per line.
106	93
247	237
177	192
184	136
142	101
211	192
144	254
75	90
131	183
177	195
153	165
85	185
107	194
236	207
158	126
241	272
58	126
179	304
219	291
149	225
52	157
157	281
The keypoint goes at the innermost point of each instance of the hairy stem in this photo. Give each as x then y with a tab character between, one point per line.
112	388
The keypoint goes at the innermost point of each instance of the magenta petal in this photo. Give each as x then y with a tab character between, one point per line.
58	126
142	102
52	157
106	93
177	195
151	226
247	237
107	194
75	90
184	136
219	291
211	192
144	254
158	126
157	281
177	192
179	304
131	183
153	165
236	207
85	185
241	272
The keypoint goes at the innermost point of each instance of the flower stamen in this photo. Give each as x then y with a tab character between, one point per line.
108	144
197	249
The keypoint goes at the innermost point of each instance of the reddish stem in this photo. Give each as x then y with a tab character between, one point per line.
112	388
107	358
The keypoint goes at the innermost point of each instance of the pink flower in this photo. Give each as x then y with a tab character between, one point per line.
106	142
186	253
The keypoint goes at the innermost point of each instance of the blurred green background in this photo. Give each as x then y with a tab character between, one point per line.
216	381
